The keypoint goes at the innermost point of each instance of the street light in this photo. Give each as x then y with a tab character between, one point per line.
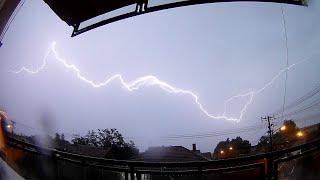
221	152
283	128
300	134
9	128
230	148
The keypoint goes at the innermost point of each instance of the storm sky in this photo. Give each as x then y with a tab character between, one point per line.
215	50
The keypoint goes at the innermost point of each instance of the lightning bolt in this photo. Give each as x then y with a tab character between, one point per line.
150	80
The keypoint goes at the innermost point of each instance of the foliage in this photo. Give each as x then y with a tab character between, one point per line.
108	138
232	148
291	128
281	139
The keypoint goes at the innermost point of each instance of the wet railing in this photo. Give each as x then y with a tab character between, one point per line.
63	165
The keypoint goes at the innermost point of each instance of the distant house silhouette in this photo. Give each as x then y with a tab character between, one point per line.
87	150
206	155
169	154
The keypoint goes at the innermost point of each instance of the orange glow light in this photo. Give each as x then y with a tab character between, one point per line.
230	148
221	152
300	134
283	128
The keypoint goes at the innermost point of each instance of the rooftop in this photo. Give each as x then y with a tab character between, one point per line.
168	154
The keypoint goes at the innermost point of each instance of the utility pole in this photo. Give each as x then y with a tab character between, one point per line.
270	129
270	169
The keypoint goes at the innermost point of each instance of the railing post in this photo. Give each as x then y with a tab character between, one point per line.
55	166
84	169
275	170
263	170
200	170
126	175
138	176
270	167
131	173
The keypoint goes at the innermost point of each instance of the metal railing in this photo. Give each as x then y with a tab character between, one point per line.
265	163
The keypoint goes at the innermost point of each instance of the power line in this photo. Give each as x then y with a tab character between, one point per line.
287	57
215	134
313	104
305	108
308	117
269	119
211	133
300	100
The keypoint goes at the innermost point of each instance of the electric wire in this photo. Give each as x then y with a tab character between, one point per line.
287	57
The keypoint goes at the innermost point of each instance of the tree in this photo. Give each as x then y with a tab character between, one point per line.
57	137
59	141
241	146
284	138
92	139
124	152
112	137
290	128
235	147
78	140
108	138
263	144
62	137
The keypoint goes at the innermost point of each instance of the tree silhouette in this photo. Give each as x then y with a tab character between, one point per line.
235	147
108	138
281	138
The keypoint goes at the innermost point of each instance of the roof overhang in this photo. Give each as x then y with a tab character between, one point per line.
85	15
7	8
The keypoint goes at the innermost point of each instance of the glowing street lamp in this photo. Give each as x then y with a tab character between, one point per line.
300	134
221	152
9	128
230	148
283	128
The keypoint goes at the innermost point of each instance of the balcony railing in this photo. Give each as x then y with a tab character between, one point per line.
260	166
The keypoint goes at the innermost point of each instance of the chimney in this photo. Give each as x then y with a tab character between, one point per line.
194	147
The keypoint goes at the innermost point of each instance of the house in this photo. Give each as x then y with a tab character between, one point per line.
169	154
206	155
87	150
